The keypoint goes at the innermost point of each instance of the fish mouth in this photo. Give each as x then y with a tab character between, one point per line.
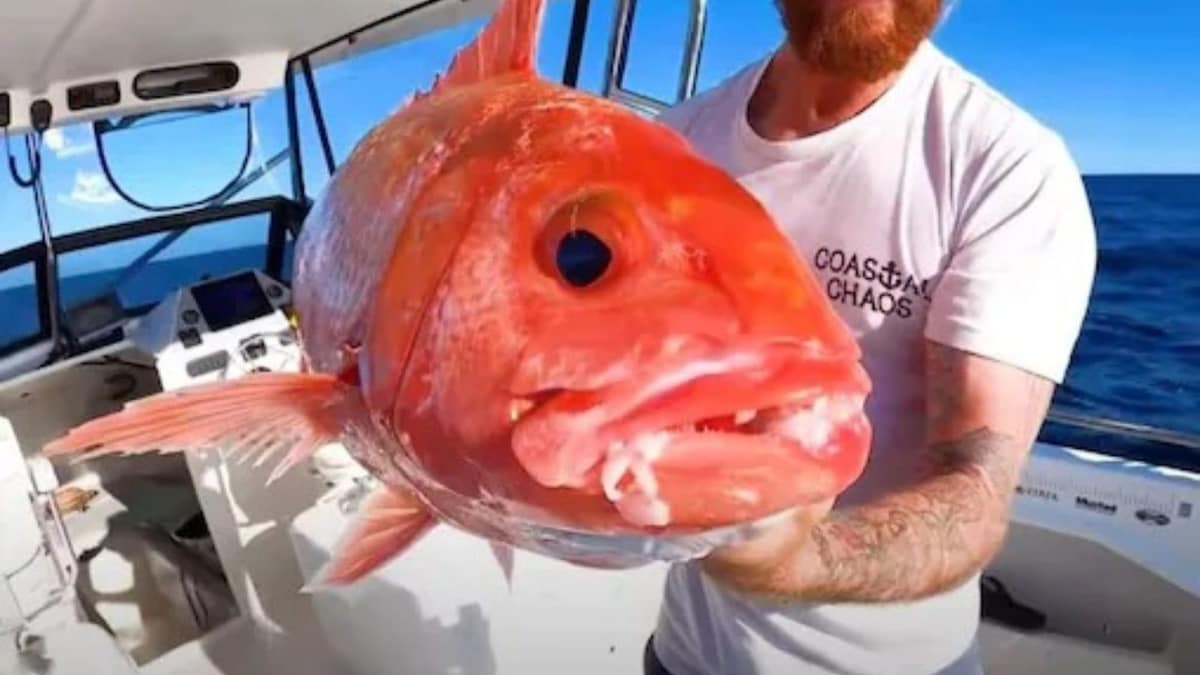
704	441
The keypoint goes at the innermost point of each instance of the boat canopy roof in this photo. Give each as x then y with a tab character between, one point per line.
89	59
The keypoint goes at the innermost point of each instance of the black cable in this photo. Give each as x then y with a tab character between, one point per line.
110	360
35	164
199	202
41	112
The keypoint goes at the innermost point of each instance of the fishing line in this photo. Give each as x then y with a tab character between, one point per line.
35	162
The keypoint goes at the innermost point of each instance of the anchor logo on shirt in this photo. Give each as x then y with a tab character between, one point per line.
890	276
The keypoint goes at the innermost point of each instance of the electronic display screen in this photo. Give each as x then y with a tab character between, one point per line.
230	301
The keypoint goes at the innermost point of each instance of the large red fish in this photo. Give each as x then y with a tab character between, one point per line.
531	312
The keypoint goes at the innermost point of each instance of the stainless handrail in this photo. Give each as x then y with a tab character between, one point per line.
51	297
1131	429
618	56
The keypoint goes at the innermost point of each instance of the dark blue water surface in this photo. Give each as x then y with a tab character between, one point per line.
1137	360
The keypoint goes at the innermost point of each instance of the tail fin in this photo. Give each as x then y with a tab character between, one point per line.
507	44
262	414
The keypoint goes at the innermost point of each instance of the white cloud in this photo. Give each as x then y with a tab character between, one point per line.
64	144
90	188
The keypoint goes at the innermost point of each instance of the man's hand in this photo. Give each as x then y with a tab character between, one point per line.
982	419
771	549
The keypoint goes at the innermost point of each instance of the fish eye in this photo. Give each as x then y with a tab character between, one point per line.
582	257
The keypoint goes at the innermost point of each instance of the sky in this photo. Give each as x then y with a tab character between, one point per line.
1119	80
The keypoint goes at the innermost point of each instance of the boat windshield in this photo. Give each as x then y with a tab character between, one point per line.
1135	362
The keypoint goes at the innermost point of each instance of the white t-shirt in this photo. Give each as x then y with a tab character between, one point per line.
941	211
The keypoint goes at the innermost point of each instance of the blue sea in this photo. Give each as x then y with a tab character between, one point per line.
1137	360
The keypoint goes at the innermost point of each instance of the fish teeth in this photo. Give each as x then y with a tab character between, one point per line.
636	457
813	426
616	465
644	477
810	428
646	511
744	416
650	446
518	407
673	345
745	495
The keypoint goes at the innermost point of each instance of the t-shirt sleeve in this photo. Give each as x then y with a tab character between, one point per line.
1022	260
679	116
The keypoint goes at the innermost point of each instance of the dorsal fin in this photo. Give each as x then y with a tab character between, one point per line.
507	44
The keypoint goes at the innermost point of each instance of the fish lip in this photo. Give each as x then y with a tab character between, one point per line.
810	349
625	410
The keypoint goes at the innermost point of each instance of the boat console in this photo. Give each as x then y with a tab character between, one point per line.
218	329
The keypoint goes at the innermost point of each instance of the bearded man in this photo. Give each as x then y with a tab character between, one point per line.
952	232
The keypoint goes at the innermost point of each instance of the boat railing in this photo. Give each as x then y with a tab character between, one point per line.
1134	430
618	58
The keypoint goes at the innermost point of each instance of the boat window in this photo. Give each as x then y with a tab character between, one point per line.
18	217
18	273
658	39
142	270
657	36
160	161
19	302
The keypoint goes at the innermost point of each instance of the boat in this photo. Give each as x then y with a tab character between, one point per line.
188	565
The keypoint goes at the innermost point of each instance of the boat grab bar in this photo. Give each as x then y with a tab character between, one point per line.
1139	431
618	57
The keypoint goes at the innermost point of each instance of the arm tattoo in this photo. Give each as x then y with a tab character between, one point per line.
918	542
924	539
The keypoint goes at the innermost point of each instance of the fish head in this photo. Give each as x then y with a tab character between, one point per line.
669	347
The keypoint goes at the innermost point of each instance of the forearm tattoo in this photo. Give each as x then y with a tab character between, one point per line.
923	540
918	542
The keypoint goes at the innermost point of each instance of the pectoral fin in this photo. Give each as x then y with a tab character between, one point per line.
280	416
505	556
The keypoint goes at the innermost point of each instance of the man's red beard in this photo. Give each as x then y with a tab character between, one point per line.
855	39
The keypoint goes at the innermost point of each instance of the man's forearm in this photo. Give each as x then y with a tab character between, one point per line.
906	545
916	542
926	537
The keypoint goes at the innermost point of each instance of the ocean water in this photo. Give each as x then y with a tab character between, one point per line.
1137	359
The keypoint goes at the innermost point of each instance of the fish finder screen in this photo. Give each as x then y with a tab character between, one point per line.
228	302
